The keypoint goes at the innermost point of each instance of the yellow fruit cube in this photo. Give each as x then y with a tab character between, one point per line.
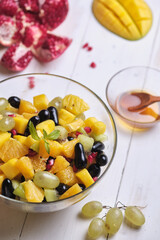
24	165
98	128
21	139
30	141
42	150
56	148
85	177
40	101
65	117
2	177
26	106
4	136
68	148
89	122
32	192
47	125
60	163
28	115
67	176
75	125
71	191
20	124
10	168
12	109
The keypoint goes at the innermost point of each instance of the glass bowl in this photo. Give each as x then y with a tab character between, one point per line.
53	86
136	78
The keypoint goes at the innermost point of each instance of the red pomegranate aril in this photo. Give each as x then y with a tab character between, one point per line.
49	164
94	154
14	132
95	179
78	133
8	7
90	159
89	49
12	115
93	65
87	129
85	45
31	153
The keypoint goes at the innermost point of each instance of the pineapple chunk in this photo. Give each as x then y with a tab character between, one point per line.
67	176
60	163
40	101
65	117
26	106
30	141
24	164
68	148
47	125
32	192
21	139
10	168
20	124
71	191
85	177
98	128
28	115
75	125
89	122
2	177
4	136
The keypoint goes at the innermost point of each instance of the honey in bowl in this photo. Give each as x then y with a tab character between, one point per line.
145	117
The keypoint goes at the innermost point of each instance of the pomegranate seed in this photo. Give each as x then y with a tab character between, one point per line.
94	154
14	132
31	82
87	129
12	115
50	163
95	179
90	159
85	45
78	133
75	169
93	65
31	153
89	49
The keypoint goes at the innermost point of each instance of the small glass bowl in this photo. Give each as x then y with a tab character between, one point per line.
136	78
54	86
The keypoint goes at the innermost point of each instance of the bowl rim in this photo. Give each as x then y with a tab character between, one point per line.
119	72
114	133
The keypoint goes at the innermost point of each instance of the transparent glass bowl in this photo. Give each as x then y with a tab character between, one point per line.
136	78
53	86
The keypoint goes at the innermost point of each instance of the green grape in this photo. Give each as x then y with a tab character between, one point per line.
46	179
91	209
134	216
6	112
50	195
3	103
96	228
56	102
114	219
6	124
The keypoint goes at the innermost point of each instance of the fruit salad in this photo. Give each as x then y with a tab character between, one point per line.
49	150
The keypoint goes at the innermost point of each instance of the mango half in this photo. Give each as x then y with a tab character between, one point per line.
130	19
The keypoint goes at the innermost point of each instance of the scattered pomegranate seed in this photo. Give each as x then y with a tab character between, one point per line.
93	65
14	132
49	164
95	179
31	82
85	45
12	115
94	154
89	49
75	169
87	129
31	153
78	133
90	159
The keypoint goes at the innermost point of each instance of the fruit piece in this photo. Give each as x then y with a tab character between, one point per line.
80	157
65	117
19	191
30	141
99	138
101	159
49	163
53	13
21	139
3	104
32	192
96	228
47	125
63	132
60	163
86	141
52	48
40	101
10	169
26	106
8	7
68	148
12	149
134	215
98	146
67	176
17	57
44	115
92	208
46	179
56	149
129	19
6	124
24	164
14	101
7	188
71	191
38	163
62	188
94	170
89	122
3	138
53	114
28	115
20	124
7	30
98	128
35	120
74	104
56	102
50	195
114	219
29	5
75	125
2	177
84	176
15	183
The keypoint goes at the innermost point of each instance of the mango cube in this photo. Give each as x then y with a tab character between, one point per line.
98	128
4	136
24	165
65	117
60	163
32	192
89	122
85	177
28	115
30	141
40	101
20	124
26	106
47	125
10	168
71	191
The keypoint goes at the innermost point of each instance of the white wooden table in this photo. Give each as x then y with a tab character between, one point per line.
134	176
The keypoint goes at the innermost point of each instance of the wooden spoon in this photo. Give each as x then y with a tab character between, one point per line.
145	98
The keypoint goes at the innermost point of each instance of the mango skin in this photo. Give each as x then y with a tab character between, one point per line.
130	19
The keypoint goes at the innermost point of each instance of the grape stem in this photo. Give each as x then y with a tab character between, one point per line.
107	236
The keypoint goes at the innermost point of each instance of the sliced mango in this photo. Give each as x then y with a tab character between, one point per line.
20	124
85	177
40	101
71	191
26	106
10	168
47	125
